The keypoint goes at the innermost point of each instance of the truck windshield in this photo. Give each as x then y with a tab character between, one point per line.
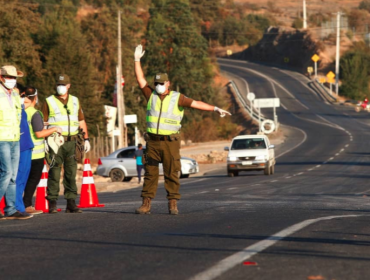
244	144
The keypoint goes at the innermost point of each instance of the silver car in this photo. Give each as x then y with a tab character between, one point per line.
121	165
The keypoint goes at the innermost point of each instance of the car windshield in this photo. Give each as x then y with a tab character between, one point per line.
244	144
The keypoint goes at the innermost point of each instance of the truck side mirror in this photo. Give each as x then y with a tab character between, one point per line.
226	149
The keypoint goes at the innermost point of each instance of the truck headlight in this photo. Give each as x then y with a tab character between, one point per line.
261	158
231	158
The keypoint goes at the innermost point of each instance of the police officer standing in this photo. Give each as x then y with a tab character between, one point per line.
165	110
64	110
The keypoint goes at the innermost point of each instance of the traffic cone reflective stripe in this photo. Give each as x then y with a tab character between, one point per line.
89	197
41	202
2	205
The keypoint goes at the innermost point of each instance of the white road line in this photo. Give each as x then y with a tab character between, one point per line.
274	181
232	188
310	169
331	158
346	145
300	173
337	154
296	146
341	150
317	166
288	177
237	258
203	192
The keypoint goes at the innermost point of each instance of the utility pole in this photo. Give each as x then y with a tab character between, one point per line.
337	57
304	15
122	138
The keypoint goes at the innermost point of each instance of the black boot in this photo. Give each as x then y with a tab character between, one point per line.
53	207
72	207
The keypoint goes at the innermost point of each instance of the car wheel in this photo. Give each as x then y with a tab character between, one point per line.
230	174
127	179
272	171
267	170
236	173
184	175
117	175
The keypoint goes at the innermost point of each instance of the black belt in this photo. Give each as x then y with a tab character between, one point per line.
161	137
70	138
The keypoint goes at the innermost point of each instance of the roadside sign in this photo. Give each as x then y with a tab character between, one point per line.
229	52
315	58
322	80
267	102
130	118
310	69
330	75
251	96
330	80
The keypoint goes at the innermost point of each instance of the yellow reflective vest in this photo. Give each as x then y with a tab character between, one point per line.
64	116
164	116
39	149
10	115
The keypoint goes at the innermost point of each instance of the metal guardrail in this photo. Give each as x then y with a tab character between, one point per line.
328	96
248	108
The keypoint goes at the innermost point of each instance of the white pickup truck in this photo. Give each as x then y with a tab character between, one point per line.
250	153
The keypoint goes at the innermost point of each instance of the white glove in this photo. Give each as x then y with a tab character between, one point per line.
46	147
221	112
139	52
87	146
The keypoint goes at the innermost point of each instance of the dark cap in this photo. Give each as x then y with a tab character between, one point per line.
161	78
62	79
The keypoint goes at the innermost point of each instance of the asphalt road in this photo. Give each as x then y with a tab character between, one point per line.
310	220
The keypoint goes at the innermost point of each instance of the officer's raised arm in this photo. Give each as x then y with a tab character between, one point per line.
138	70
207	107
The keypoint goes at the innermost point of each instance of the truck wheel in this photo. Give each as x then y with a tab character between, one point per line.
184	175
267	170
272	170
236	173
117	175
230	174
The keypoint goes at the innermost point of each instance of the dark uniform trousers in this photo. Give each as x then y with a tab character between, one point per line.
168	153
65	158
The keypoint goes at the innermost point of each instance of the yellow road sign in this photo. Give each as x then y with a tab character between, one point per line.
331	80
309	69
315	58
330	75
322	80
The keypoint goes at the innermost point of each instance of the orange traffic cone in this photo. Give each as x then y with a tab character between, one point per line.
88	197
2	205
41	203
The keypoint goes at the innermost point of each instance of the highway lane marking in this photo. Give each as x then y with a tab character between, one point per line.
346	145
248	252
300	173
341	150
232	188
288	177
273	181
203	192
317	166
310	169
296	146
331	158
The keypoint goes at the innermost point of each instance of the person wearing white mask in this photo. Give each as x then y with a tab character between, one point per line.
165	110
10	119
64	110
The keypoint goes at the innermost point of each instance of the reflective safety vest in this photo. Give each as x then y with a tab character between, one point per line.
39	149
164	116
10	116
58	114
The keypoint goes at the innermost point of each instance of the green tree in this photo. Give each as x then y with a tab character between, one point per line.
64	51
355	72
17	26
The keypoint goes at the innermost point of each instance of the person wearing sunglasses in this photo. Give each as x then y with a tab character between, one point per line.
38	133
64	110
10	120
165	110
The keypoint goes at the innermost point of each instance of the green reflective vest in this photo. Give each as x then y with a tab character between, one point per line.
39	149
10	116
164	116
64	116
